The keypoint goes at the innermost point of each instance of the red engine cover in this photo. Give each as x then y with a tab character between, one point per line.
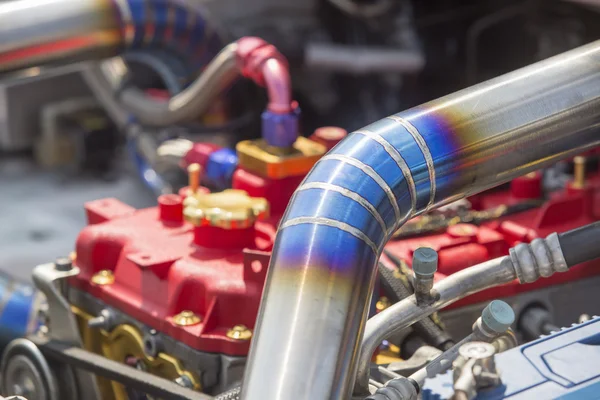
160	270
465	245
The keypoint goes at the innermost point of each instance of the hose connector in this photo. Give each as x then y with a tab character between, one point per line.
540	258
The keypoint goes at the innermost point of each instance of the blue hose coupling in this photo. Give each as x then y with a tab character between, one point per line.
280	130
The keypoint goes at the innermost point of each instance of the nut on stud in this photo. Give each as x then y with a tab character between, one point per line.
104	277
382	303
239	332
187	318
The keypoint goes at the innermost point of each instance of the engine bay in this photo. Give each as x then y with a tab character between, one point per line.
448	251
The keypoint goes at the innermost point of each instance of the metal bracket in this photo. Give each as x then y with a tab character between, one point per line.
63	326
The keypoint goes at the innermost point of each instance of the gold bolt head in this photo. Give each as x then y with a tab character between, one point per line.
382	303
104	277
187	318
239	332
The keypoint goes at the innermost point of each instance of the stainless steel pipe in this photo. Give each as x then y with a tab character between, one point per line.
322	269
33	33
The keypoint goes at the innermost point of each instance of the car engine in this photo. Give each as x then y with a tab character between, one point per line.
449	251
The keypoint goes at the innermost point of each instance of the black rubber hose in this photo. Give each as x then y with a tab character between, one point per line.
426	328
581	244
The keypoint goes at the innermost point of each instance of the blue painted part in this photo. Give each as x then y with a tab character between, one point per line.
138	16
220	167
348	176
342	209
565	365
280	130
17	308
397	135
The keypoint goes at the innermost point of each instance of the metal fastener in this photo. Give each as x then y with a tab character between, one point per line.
185	381
425	262
382	303
104	277
105	320
239	332
63	264
187	318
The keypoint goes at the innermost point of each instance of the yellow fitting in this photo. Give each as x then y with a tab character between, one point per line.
239	332
187	318
382	303
257	156
104	277
229	209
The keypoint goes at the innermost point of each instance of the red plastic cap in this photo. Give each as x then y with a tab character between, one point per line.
170	208
329	136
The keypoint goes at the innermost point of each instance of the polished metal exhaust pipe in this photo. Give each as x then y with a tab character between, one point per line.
42	32
322	270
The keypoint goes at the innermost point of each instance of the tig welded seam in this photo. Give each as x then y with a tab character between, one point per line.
334	224
351	195
426	154
371	173
391	150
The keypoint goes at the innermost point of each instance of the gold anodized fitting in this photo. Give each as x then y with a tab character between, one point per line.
104	277
187	318
257	156
239	332
229	209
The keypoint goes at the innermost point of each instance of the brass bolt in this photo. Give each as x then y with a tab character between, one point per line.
187	318
104	277
382	303
239	332
579	173
194	177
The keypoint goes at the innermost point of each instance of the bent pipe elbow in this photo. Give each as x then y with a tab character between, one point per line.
322	269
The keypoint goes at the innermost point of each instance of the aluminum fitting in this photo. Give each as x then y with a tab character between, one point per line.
496	318
424	265
540	258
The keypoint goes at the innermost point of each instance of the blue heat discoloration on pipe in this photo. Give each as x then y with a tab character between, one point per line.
174	25
323	264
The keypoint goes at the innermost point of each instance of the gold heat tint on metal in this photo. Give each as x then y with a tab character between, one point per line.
104	277
187	318
270	162
239	332
579	172
229	209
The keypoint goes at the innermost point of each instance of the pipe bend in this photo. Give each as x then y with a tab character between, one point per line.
322	270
